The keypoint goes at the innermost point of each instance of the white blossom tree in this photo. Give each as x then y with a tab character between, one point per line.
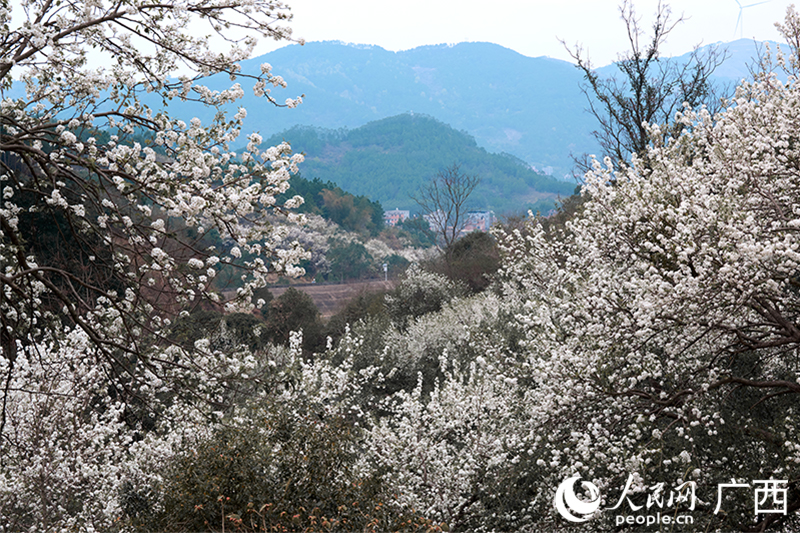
115	216
663	321
656	335
73	454
660	341
115	219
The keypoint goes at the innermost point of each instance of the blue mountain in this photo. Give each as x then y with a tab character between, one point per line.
530	107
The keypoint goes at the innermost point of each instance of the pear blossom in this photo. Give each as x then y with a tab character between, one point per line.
86	331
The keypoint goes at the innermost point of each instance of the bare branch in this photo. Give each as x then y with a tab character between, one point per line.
444	199
649	90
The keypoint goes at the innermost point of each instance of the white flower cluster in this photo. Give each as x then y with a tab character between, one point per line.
144	211
138	198
673	291
654	336
71	443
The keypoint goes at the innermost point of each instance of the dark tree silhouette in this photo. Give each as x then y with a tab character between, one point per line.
444	200
650	89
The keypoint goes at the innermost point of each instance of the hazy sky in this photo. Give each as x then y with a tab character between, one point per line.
531	27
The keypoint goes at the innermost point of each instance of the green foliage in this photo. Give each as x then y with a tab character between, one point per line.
396	265
364	306
244	329
198	325
263	294
325	198
471	260
353	213
294	310
389	159
418	231
349	261
226	332
288	467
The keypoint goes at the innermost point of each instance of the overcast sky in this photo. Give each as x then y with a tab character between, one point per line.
531	27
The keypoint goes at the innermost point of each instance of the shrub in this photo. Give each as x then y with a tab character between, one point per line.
419	293
363	306
294	310
472	260
286	464
349	260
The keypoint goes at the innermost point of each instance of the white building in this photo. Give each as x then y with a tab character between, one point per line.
395	216
475	221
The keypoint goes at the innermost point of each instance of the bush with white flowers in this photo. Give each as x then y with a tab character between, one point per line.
662	321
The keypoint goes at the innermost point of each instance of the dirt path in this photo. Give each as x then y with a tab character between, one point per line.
329	298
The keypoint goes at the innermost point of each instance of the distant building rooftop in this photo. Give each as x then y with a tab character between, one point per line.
395	216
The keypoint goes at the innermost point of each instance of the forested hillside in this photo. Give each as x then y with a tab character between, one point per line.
387	160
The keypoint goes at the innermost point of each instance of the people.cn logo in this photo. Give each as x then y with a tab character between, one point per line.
567	502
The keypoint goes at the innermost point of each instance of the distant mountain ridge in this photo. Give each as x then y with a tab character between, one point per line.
531	107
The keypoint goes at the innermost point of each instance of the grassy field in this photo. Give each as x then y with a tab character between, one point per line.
329	298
